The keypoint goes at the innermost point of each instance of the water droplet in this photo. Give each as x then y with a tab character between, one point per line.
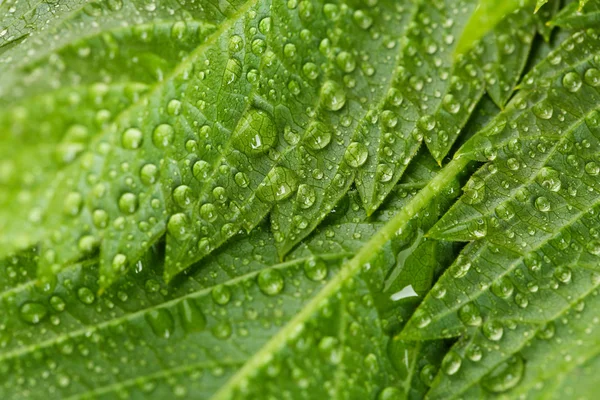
318	136
221	294
493	330
241	179
161	322
356	154
474	191
192	318
592	168
72	204
593	247
505	376
451	363
427	374
563	274
208	212
57	303
315	269
362	19
572	81
279	184
256	133
163	136
542	204
148	174
132	138
505	211
390	393
592	77
174	107
422	318
385	173
128	203
549	178
503	287
450	104
333	96
345	61
178	226
85	295
183	196
270	281
469	314
306	196
474	352
310	70
33	312
543	110
100	219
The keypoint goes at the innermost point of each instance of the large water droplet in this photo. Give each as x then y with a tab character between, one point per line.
270	281
318	136
33	312
132	138
192	318
128	203
279	184
572	81
469	314
333	96
505	376
451	363
356	154
163	136
161	322
256	133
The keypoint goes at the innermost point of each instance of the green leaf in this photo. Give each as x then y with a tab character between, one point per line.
241	325
230	122
530	214
574	17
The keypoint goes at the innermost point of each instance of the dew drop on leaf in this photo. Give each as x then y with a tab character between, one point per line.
279	184
505	376
72	204
256	133
356	154
270	281
542	204
85	295
333	96
427	374
183	195
33	312
469	315
390	393
543	110
132	138
177	226
128	203
148	174
592	77
451	363
503	287
163	136
192	318
318	136
221	294
493	330
572	81
306	196
315	269
161	322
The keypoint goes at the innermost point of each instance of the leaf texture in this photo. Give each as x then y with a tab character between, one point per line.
286	127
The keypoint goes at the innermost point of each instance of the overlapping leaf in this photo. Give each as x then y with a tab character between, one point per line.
245	109
241	325
531	214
